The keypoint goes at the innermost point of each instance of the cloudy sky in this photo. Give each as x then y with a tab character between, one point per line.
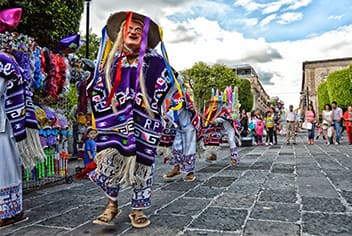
275	37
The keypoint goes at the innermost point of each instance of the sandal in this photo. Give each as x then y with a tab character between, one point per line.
108	215
19	218
189	177
233	162
212	158
173	174
139	219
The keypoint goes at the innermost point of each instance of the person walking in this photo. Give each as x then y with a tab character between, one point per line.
328	127
347	117
310	118
222	119
290	127
337	123
131	83
184	147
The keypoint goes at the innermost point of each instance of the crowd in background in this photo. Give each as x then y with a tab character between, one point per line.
264	126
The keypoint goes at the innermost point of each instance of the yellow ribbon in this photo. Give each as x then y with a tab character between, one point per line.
106	53
211	110
94	125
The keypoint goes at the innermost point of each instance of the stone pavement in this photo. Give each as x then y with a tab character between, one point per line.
275	190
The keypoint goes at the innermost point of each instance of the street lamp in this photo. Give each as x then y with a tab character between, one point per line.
87	30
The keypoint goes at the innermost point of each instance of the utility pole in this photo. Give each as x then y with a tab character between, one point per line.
87	30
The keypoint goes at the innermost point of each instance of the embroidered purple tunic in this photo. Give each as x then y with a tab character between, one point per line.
132	131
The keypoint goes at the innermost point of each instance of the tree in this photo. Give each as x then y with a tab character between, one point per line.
94	43
323	96
339	87
202	78
48	21
245	94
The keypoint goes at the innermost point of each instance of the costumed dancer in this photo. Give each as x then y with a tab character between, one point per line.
10	169
168	134
221	124
18	126
131	82
184	148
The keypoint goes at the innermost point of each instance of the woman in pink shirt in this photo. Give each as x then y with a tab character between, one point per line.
347	117
310	118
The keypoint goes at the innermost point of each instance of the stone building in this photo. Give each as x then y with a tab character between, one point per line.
314	73
260	97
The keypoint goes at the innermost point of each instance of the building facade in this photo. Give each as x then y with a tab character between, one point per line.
314	73
260	97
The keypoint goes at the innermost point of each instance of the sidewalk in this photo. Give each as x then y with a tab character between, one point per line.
275	190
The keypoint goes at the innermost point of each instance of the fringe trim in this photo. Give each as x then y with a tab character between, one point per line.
126	170
163	151
30	149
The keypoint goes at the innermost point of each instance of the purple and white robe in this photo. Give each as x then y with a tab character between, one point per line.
127	141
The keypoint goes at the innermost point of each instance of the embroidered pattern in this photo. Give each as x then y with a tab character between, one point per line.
10	201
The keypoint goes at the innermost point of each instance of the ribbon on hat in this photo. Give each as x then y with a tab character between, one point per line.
103	52
169	70
119	65
94	124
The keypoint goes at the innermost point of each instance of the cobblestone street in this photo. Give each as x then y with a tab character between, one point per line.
275	190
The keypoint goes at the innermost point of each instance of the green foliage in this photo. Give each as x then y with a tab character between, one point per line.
245	94
94	43
203	78
339	87
48	21
72	97
323	96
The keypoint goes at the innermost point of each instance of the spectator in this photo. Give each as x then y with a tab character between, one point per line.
347	117
337	122
269	125
259	129
90	146
244	123
290	119
328	127
310	118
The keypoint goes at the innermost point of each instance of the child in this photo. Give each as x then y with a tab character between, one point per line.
269	125
252	132
259	129
90	146
320	131
89	153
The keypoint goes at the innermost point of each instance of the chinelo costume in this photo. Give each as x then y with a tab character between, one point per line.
129	88
184	148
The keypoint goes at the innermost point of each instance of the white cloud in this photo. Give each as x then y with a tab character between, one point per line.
289	17
298	4
272	7
247	21
199	39
335	17
267	20
330	45
249	5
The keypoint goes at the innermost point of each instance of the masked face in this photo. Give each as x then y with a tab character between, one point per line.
133	36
